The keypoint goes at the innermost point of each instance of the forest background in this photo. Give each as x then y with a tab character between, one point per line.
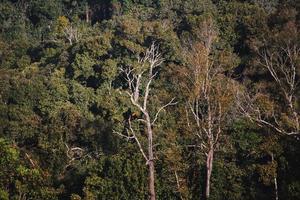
158	99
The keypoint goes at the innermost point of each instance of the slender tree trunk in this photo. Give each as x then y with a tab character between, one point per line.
178	185
151	159
275	181
276	188
87	14
209	165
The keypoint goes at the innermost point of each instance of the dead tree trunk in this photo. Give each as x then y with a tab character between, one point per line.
151	180
151	159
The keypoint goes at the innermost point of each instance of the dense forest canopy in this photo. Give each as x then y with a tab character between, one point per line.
150	99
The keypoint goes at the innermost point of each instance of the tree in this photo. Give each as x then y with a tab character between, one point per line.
262	108
139	85
279	113
210	99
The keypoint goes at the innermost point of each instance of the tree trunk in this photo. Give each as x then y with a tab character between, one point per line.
87	14
276	188
151	181
151	159
209	165
275	180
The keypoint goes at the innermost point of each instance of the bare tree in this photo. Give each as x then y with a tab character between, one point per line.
139	84
71	33
262	108
211	97
282	64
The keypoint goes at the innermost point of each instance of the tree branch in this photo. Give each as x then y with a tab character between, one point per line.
170	103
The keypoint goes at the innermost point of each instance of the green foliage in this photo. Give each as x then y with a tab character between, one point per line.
117	177
18	180
60	102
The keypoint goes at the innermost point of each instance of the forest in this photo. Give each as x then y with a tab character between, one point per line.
149	99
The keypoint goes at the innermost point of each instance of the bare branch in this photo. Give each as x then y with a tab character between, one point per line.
251	111
128	137
138	142
170	103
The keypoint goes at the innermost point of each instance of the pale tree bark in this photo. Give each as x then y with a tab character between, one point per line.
72	34
178	185
275	179
87	13
209	166
282	65
211	97
141	78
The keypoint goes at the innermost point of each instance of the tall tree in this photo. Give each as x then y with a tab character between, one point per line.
282	64
273	103
210	99
139	85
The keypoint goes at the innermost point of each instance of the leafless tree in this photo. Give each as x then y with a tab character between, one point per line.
282	64
71	33
261	108
139	81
